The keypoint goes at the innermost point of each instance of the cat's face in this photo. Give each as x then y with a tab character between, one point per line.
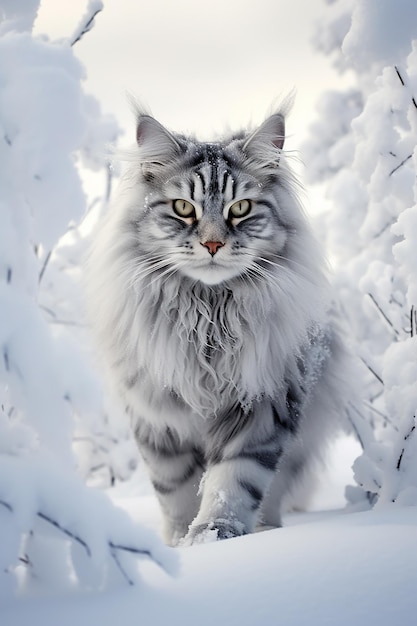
209	214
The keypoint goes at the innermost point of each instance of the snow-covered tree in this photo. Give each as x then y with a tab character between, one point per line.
364	147
102	439
55	532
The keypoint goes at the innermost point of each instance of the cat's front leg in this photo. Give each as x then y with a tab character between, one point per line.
175	469
239	472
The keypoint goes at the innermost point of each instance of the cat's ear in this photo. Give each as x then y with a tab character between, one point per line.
269	136
156	144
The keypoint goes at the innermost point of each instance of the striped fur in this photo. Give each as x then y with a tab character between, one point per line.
228	360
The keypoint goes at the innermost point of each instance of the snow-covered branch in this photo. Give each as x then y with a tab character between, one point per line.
406	438
114	547
61	532
370	167
87	21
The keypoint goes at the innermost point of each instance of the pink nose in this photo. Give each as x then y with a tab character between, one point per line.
213	246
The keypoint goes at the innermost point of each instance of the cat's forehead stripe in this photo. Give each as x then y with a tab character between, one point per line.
212	172
210	179
199	175
226	177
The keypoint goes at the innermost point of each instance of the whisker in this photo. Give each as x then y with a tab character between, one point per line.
277	256
306	273
269	277
142	273
247	276
169	272
145	269
261	272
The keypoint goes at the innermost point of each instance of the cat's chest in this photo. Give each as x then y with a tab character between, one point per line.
206	351
212	334
197	343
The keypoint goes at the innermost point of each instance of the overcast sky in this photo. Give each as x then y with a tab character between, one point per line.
200	65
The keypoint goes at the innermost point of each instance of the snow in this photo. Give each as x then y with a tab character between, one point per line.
87	21
20	16
369	163
57	534
372	20
334	568
73	554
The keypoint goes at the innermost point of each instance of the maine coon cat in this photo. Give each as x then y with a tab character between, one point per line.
211	311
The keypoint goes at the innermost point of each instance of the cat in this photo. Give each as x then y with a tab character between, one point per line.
212	312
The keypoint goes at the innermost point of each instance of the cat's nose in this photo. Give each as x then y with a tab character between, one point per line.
212	246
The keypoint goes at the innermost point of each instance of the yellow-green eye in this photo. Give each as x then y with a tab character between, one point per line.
183	208
240	209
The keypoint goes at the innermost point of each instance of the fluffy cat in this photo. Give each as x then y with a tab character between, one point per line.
211	310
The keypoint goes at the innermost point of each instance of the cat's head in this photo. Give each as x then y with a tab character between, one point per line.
214	211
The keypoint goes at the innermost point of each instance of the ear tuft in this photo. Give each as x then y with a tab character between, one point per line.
157	145
271	134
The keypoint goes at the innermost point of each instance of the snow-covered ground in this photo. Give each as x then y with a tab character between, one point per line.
335	567
331	565
354	569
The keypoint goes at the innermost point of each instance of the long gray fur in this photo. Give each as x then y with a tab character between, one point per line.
231	365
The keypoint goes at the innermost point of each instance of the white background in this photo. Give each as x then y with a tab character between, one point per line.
200	66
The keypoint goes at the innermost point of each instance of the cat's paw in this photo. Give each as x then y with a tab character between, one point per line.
213	531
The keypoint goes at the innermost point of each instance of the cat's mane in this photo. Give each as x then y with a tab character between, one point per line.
152	324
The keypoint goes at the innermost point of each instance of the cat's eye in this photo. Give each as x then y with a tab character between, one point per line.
240	209
183	208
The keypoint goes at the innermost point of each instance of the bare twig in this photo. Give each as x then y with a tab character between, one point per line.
47	310
87	26
356	431
413	321
44	266
399	75
400	164
373	372
384	228
6	359
113	547
407	436
384	417
67	532
6	506
386	318
413	100
68	323
360	436
119	565
137	551
402	81
58	321
25	559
